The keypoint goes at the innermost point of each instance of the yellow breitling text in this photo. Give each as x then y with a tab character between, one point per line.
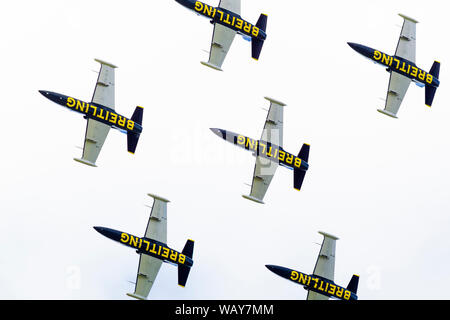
271	152
156	249
226	18
320	285
402	66
100	113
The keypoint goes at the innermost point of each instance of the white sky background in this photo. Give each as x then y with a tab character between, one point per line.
380	184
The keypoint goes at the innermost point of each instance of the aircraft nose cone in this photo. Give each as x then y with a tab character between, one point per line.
365	51
43	92
270	267
353	45
216	131
98	229
280	271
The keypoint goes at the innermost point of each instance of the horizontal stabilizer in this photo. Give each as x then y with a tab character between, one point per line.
430	91
262	22
304	152
429	95
257	46
133	138
183	271
138	114
183	274
132	141
299	176
435	68
188	249
353	284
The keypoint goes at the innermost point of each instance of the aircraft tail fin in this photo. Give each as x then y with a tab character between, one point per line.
299	175
138	114
183	271
353	284
304	152
133	138
435	68
262	22
257	44
430	90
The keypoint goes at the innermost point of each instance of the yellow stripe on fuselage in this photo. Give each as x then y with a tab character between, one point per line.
153	248
273	152
320	285
403	67
100	114
227	19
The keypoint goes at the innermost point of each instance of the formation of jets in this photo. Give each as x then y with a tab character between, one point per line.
403	69
153	250
228	22
268	150
320	284
101	116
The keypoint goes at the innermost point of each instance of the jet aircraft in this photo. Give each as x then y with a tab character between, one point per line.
153	250
320	284
269	152
227	22
402	68
100	115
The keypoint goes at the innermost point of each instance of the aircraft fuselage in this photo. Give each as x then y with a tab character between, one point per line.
314	283
224	17
147	246
397	64
95	111
263	149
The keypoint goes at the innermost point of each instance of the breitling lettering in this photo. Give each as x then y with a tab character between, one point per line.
270	152
320	285
153	248
402	66
226	18
100	113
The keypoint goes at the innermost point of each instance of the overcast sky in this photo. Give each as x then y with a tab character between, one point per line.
380	184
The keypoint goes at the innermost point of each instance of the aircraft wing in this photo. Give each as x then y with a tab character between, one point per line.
221	42
262	176
325	263
231	5
264	168
96	132
273	127
157	224
406	47
149	266
147	271
398	86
